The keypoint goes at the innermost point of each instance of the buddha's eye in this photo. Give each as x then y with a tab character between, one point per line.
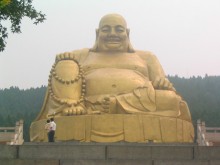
106	29
119	29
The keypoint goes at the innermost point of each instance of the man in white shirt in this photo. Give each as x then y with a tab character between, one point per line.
52	130
47	128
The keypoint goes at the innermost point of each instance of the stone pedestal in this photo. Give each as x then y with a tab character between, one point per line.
116	127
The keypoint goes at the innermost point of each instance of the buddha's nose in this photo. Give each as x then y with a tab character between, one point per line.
113	32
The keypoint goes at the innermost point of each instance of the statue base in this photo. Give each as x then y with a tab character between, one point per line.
116	127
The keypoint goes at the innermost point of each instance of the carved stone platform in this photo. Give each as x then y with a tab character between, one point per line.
116	127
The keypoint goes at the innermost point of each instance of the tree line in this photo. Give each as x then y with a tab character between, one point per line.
201	93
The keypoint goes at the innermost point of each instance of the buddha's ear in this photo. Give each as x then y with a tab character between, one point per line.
128	32
97	33
95	47
130	47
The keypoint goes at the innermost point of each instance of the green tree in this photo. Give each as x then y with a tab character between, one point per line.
3	3
14	11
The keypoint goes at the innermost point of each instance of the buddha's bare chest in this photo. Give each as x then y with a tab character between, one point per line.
130	61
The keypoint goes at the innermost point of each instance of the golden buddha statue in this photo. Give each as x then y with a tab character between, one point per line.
112	93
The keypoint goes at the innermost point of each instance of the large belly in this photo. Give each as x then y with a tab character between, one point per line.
113	81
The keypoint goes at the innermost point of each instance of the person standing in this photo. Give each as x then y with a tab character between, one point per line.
52	130
47	128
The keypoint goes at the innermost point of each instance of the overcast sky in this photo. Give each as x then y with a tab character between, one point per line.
184	35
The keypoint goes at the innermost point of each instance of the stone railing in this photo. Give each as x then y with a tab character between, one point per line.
12	135
207	136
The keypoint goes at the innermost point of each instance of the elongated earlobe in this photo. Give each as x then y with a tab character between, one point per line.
95	47
97	33
130	47
128	32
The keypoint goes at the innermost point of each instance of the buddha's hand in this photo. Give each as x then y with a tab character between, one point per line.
108	104
163	83
77	110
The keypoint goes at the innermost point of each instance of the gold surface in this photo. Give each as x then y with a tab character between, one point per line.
116	127
112	92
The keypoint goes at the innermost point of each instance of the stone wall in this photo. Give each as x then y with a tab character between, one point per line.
74	153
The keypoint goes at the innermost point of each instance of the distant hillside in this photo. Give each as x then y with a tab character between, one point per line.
16	104
202	96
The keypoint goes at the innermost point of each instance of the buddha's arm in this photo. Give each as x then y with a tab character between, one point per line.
156	72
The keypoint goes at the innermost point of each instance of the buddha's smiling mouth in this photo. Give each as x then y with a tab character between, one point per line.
113	40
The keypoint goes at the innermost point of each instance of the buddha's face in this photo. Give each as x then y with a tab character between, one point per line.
112	34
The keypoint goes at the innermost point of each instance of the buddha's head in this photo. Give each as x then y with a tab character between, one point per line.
112	35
